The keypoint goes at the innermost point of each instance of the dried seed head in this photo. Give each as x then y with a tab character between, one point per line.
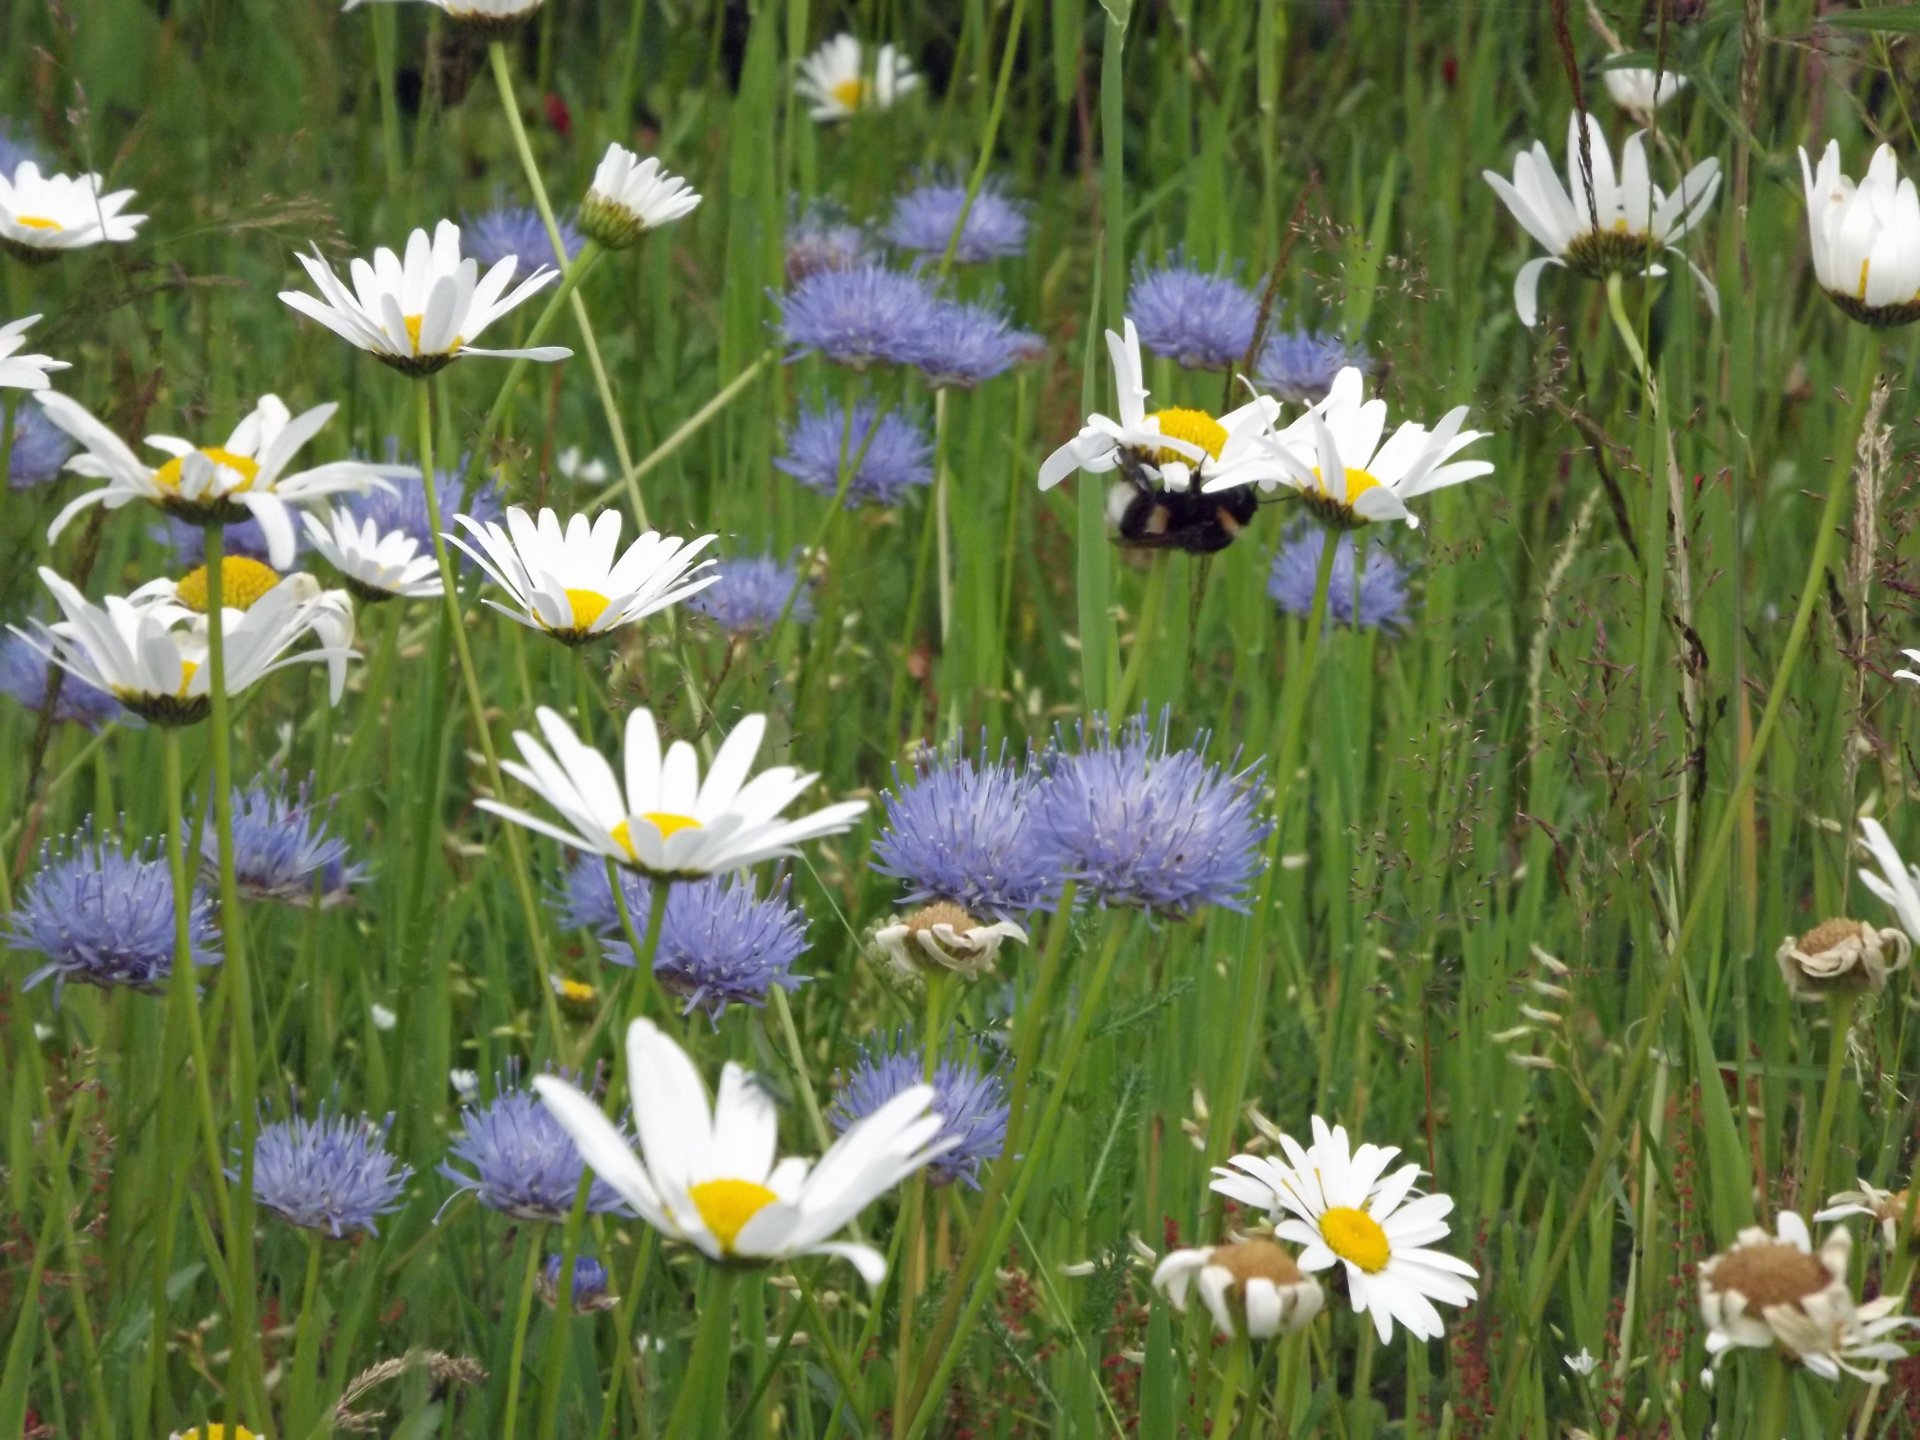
1841	957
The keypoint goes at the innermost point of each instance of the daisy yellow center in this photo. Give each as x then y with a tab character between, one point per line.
413	322
219	1432
851	93
38	222
1356	1237
667	823
1861	293
167	477
242	582
726	1206
1195	427
575	992
587	606
1358	482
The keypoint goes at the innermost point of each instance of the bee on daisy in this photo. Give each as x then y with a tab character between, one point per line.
42	217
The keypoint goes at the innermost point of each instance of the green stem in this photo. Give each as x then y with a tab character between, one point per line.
790	1036
1774	1415
522	1312
1146	626
571	278
562	1325
942	523
645	948
306	1347
1232	1376
712	1345
622	1346
1816	1161
688	428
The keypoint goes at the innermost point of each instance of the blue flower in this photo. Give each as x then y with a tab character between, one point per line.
332	1173
524	1164
404	508
590	1283
960	829
897	457
924	218
970	1101
862	316
820	238
720	945
23	676
1136	822
16	147
244	538
1298	366
101	915
965	345
40	447
1296	570
281	846
517	230
750	594
1203	321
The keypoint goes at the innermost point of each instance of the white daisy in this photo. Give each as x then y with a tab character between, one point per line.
23	372
226	483
1252	1287
1912	677
151	654
1620	227
835	80
1865	237
942	936
376	567
1776	1289
41	216
1897	882
1888	1208
1340	1208
581	469
491	18
665	822
569	583
630	196
707	1175
1642	91
1333	457
421	313
1176	448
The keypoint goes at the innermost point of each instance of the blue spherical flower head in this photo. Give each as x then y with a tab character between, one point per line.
24	672
590	1284
332	1173
965	345
1205	322
925	217
821	238
1382	598
523	1163
244	539
282	848
750	594
720	944
517	230
893	454
40	447
1298	366
868	315
970	1100
960	829
1137	822
100	915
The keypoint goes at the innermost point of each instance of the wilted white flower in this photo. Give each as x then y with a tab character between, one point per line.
944	936
1841	956
1252	1287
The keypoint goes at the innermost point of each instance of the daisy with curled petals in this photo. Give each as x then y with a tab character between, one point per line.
665	822
707	1174
1617	225
23	372
1251	1287
835	80
1865	237
151	655
376	565
1342	1205
630	196
243	477
421	313
492	19
44	216
569	582
1333	457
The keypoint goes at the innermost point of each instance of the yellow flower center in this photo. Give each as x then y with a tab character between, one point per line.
667	823
1356	1237
588	606
1195	427
188	669
218	1432
38	222
726	1206
574	992
1358	483
167	477
851	93
1861	293
242	582
412	322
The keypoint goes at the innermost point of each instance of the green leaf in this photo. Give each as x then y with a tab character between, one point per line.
1896	19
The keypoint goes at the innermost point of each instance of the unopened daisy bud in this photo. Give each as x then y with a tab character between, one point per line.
943	935
1865	237
630	196
1841	957
1253	1288
590	1291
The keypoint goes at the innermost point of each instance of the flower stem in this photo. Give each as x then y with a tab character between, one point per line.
1841	1015
571	279
689	427
942	522
1146	626
1232	1376
306	1348
522	1311
245	1390
645	948
707	1366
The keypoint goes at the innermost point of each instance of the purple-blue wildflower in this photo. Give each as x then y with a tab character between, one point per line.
517	230
959	828
970	1099
332	1173
1296	571
282	849
965	345
924	219
23	676
822	238
40	447
893	455
1203	321
244	538
750	594
590	1282
524	1163
862	316
1298	366
404	507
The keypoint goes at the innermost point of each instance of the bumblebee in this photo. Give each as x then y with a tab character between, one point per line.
1146	516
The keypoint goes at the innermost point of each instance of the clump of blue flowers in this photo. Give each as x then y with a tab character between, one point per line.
1203	321
24	672
522	1162
750	594
1298	366
1380	602
282	848
822	238
40	447
517	230
924	219
959	828
965	345
888	454
333	1173
969	1098
866	315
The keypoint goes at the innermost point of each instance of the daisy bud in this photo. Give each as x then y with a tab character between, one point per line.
631	196
1254	1288
944	936
1841	957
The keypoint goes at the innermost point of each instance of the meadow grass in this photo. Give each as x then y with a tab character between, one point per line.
1532	850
